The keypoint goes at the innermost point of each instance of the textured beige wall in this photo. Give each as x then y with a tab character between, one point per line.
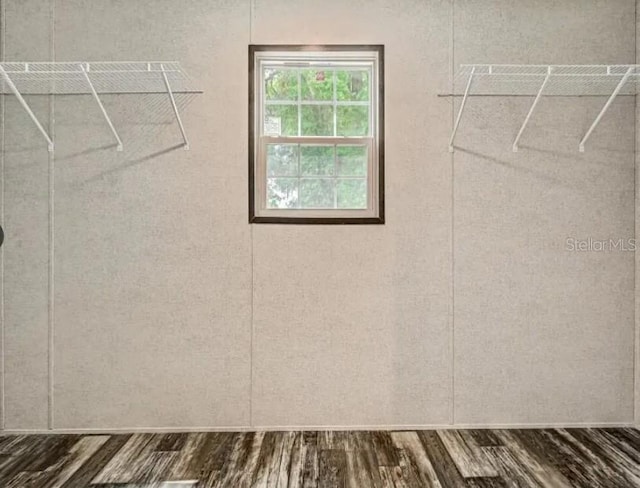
26	222
543	335
351	324
637	208
153	252
169	310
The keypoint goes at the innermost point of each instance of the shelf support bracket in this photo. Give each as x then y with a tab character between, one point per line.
26	107
102	109
613	96
464	102
531	110
175	107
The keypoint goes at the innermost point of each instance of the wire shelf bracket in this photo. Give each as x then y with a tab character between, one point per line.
85	72
26	107
461	110
540	81
613	96
531	110
175	107
96	79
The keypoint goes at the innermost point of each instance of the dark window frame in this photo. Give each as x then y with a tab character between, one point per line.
380	218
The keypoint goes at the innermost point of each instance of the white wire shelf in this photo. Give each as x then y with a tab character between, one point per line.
96	79
542	81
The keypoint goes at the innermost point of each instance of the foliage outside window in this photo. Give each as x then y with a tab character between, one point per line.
316	152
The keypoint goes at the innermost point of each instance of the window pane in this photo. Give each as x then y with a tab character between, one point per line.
282	118
317	193
281	84
282	192
353	120
317	120
282	160
317	160
352	85
316	84
352	160
352	193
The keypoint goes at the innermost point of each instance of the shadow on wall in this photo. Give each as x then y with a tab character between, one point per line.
85	149
131	163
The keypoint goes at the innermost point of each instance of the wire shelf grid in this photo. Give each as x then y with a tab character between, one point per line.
95	79
564	80
106	77
544	80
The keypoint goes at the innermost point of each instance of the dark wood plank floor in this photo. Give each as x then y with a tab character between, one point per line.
554	458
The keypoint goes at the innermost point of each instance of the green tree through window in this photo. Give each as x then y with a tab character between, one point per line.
317	102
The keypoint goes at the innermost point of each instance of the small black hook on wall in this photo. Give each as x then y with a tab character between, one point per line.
1	236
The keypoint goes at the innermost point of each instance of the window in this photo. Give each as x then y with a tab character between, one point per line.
316	134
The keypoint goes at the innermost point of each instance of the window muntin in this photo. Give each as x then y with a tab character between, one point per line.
316	130
318	102
317	175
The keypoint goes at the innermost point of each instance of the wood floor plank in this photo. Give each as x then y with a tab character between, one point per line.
444	467
268	469
484	437
386	476
191	458
23	479
122	467
534	461
96	463
418	463
467	455
310	470
21	444
160	484
368	461
248	461
211	458
358	439
285	459
332	468
578	461
212	480
7	464
67	455
342	440
8	443
596	453
201	455
216	451
407	474
240	469
154	467
515	473
555	458
296	461
53	448
172	442
78	456
325	440
32	454
624	441
386	452
487	482
362	469
266	459
632	432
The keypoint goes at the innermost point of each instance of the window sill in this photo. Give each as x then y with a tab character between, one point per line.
317	220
